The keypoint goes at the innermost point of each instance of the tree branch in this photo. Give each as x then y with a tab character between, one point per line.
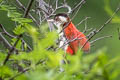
28	8
11	50
5	42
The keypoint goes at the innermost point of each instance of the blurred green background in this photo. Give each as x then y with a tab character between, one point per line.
99	11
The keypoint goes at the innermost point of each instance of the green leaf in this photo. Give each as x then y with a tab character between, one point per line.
18	46
13	14
54	60
1	1
49	38
2	57
5	72
19	30
22	20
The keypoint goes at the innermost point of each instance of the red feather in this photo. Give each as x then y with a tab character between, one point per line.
71	32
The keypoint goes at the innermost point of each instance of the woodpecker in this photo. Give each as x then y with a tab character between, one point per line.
71	39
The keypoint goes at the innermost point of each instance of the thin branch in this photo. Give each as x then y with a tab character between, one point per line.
39	14
65	5
100	38
56	4
21	5
78	8
78	5
118	33
83	21
89	29
6	43
28	8
44	11
5	32
11	50
85	27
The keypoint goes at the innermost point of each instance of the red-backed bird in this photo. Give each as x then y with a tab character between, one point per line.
69	36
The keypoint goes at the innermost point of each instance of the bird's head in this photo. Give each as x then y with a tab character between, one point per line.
60	20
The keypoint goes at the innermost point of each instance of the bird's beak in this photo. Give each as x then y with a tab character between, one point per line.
50	20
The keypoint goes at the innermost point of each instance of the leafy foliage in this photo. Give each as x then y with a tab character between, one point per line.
44	64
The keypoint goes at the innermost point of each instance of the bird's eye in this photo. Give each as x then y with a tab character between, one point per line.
57	19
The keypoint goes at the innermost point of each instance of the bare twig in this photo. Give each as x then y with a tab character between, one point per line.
78	5
68	7
100	38
88	30
85	27
5	42
78	8
56	4
83	21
